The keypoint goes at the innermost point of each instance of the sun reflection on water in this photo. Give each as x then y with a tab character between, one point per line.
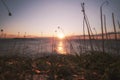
61	47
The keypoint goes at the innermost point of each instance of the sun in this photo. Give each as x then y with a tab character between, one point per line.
61	36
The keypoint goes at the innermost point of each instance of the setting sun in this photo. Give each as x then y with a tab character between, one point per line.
60	36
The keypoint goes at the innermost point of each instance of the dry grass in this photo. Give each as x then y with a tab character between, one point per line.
95	66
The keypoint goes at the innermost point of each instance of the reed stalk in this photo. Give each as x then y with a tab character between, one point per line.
87	24
114	26
9	13
115	33
119	29
1	33
102	29
105	27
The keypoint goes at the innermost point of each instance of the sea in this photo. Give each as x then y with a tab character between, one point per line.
42	46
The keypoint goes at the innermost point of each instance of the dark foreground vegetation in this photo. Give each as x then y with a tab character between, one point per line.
92	66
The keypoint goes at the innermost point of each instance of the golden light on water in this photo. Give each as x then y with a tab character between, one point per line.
61	47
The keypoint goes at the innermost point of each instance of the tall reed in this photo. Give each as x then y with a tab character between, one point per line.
105	27
87	24
9	13
101	18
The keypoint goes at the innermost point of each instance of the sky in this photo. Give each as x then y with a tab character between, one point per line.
44	16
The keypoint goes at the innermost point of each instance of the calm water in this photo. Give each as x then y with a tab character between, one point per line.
40	46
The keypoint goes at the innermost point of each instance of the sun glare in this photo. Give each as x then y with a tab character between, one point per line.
61	36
